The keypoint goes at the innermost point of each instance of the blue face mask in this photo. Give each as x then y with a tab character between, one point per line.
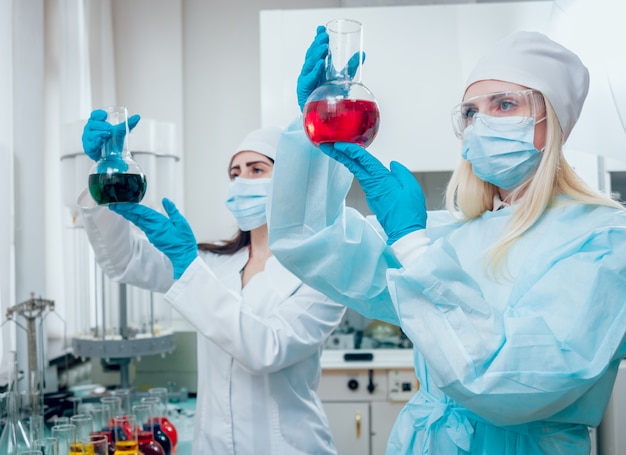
247	201
501	149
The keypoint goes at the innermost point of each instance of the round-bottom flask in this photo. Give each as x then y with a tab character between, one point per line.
116	177
341	111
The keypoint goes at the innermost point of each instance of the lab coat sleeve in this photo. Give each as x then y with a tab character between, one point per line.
562	329
331	247
261	342
124	253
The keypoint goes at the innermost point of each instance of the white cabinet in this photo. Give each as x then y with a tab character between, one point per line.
383	417
350	424
362	404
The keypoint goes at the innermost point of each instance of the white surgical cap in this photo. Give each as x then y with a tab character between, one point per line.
263	140
533	60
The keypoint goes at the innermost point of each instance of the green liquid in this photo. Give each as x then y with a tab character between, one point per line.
117	188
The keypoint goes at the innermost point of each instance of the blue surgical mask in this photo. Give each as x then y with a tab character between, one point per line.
247	201
501	149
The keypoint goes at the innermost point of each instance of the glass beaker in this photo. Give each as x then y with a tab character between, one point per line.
125	435
342	109
116	177
48	445
65	435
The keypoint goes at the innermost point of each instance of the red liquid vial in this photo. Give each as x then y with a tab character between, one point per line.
170	430
147	444
341	120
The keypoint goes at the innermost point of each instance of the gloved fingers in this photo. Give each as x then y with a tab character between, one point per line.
174	214
92	144
319	42
366	161
315	53
132	121
355	61
98	114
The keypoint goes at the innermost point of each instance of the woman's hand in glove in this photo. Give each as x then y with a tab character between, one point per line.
394	195
170	234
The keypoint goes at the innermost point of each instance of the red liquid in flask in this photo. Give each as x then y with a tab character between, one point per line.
341	121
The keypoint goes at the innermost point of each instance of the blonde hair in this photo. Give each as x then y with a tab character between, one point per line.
468	197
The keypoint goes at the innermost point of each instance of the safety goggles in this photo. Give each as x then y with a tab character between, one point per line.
521	105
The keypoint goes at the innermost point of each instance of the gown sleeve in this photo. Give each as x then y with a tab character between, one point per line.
123	252
557	335
275	321
331	247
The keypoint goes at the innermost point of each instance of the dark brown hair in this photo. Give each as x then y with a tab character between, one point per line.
239	241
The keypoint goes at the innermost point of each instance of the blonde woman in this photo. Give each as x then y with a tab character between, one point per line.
513	297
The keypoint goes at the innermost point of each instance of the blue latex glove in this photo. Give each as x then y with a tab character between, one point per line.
171	234
395	196
313	71
97	130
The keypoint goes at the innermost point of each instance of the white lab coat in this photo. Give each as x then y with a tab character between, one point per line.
258	347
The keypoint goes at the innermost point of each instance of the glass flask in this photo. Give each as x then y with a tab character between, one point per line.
160	436
163	414
342	109
116	177
147	444
14	437
125	435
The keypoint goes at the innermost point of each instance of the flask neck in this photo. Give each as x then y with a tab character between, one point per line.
348	74
116	145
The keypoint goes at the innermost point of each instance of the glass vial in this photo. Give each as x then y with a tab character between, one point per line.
342	109
116	177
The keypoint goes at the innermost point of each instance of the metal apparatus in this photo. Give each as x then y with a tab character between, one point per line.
33	311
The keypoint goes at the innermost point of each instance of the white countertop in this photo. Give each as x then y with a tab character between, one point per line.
335	359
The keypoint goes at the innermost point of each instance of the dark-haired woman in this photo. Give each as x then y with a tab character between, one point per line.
260	329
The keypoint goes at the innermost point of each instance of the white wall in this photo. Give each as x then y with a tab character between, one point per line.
7	207
417	60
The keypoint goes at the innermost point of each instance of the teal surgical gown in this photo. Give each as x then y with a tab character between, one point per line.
521	365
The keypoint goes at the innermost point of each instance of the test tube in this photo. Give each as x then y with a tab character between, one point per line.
65	435
47	446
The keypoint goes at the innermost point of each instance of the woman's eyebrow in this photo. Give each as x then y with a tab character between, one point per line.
252	163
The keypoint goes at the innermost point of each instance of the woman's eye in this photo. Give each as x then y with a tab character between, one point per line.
469	113
507	105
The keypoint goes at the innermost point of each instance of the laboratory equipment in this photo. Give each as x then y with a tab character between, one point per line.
14	437
145	419
65	434
162	413
159	433
111	321
33	311
48	445
116	177
96	445
125	435
342	109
